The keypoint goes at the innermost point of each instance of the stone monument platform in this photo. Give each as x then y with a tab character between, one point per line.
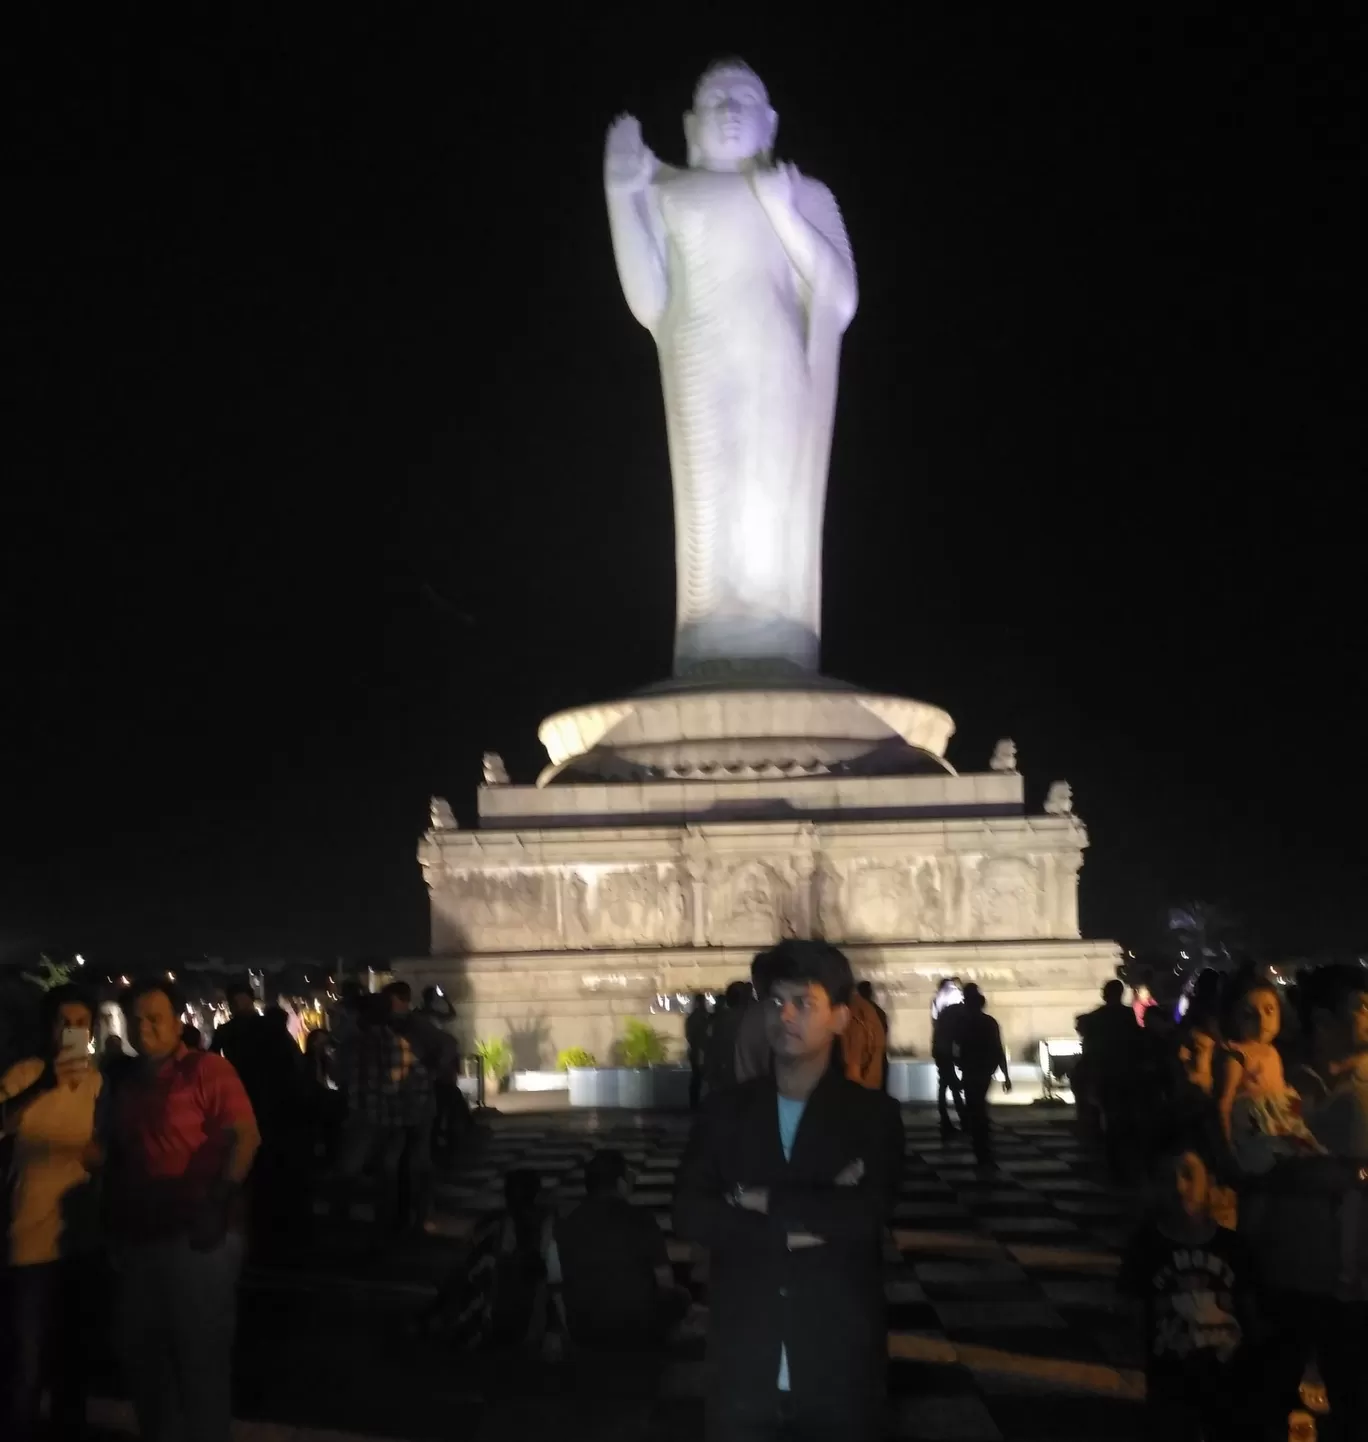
738	819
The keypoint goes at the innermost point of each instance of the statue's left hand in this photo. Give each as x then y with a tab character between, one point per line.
775	186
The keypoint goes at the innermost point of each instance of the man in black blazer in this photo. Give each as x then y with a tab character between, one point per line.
789	1181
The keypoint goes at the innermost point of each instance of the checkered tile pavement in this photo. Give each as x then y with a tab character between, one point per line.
1004	1324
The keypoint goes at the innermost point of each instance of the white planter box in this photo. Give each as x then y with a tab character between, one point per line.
634	1087
912	1081
592	1086
540	1081
653	1088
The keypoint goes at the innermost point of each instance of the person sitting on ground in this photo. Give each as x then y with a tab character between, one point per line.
498	1299
1196	1282
617	1288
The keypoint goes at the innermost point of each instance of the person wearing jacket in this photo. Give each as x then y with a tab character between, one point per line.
789	1180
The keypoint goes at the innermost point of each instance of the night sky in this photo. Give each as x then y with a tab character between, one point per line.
334	458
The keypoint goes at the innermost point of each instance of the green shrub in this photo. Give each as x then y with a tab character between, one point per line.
496	1056
642	1044
574	1056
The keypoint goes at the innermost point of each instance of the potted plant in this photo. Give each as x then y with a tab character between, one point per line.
588	1084
496	1058
641	1048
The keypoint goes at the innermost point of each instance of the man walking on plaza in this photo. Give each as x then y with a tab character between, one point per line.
947	1011
978	1040
182	1137
789	1180
697	1029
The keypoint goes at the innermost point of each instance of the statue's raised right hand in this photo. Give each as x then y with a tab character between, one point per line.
627	164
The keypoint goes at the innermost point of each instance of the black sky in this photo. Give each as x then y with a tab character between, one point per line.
336	459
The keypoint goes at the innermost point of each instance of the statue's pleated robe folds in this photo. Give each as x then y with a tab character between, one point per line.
749	355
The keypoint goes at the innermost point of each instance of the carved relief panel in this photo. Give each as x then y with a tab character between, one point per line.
900	900
747	905
638	906
497	910
643	907
879	902
1008	898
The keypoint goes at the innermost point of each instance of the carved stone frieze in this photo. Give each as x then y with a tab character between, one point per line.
747	904
504	910
1009	899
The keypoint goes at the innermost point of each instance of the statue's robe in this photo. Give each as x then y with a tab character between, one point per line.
749	355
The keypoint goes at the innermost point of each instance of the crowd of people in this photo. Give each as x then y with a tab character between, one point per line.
1251	1110
126	1178
1248	1113
731	1045
138	1166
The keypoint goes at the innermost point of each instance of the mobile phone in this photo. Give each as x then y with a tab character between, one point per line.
75	1041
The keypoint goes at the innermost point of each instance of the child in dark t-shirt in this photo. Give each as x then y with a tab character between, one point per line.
1196	1281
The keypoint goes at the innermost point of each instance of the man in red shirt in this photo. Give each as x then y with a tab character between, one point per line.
181	1139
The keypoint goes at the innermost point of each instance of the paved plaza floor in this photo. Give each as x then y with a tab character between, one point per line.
1004	1323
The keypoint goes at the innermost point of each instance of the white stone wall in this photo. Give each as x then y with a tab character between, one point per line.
751	883
549	1001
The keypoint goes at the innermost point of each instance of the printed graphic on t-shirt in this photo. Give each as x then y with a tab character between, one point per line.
1193	1306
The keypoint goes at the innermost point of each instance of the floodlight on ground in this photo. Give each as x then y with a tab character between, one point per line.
1058	1056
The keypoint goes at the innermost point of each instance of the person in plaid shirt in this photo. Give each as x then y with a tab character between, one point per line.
386	1088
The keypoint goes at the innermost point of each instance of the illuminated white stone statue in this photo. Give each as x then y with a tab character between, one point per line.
741	270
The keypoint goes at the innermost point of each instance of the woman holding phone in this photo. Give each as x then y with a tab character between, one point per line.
47	1107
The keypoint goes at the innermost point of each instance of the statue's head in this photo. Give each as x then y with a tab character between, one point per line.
732	122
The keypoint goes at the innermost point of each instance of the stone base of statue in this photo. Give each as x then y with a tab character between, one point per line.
676	832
